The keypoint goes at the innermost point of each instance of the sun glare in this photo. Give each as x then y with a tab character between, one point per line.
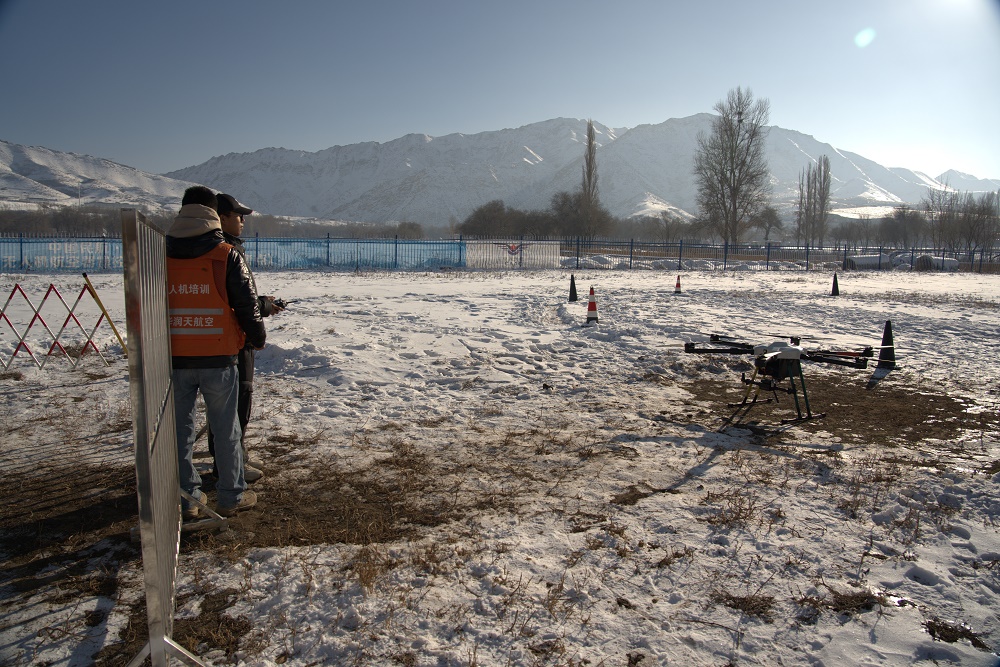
864	38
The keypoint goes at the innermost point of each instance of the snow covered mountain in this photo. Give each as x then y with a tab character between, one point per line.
432	180
640	170
36	175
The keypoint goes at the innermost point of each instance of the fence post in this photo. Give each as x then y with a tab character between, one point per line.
20	243
680	253
725	255
578	252
844	265
913	258
395	252
631	249
767	260
807	257
256	249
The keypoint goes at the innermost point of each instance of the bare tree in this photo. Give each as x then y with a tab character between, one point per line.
490	219
730	167
594	218
865	229
768	220
903	228
814	202
589	186
941	207
565	208
821	208
800	217
670	227
978	223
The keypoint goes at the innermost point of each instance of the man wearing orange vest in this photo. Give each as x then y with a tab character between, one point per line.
213	312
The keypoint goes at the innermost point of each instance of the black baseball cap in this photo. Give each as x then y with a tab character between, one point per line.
228	204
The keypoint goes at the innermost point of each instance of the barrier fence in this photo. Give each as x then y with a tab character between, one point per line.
154	428
52	254
25	329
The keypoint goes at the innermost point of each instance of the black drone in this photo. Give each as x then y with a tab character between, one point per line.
781	361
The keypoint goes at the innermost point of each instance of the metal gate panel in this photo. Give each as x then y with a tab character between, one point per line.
154	429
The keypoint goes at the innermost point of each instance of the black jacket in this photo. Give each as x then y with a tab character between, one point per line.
239	291
266	307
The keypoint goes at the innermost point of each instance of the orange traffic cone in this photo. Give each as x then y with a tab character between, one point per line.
677	287
591	308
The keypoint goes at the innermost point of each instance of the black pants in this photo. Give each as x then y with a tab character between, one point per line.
245	401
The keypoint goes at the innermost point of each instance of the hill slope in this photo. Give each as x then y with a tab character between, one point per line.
432	180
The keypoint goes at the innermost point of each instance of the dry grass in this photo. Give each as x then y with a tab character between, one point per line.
756	605
953	632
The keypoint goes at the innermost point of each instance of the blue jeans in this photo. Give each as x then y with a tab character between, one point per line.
220	388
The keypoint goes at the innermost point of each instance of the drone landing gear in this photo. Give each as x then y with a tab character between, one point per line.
770	380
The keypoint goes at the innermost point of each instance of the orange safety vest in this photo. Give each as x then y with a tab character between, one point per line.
201	322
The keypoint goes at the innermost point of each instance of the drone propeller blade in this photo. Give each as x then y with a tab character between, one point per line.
806	337
718	336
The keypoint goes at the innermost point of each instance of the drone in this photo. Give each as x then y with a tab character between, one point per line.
780	361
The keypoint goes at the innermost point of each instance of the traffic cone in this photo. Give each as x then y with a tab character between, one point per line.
886	357
677	287
836	288
887	353
572	288
591	309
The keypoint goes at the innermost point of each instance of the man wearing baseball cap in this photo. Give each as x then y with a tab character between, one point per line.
232	214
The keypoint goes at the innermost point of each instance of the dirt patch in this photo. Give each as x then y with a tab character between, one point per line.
56	525
317	502
212	627
889	414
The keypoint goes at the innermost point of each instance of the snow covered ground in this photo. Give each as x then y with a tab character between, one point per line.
513	488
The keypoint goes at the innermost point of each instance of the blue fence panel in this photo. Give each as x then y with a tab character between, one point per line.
354	254
59	253
33	253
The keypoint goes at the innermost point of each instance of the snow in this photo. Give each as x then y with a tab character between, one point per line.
600	482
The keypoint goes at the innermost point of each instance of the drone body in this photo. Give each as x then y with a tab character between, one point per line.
780	361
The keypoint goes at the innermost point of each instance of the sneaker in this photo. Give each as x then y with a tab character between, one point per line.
248	500
190	511
251	474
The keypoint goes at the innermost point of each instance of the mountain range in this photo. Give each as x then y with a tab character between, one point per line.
434	180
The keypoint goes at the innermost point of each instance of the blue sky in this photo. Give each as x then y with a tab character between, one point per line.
165	85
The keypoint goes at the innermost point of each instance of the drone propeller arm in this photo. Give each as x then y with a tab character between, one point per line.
730	348
851	361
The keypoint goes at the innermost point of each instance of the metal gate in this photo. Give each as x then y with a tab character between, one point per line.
154	428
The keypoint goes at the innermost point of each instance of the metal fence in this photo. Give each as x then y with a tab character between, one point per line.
154	429
50	254
681	256
60	253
